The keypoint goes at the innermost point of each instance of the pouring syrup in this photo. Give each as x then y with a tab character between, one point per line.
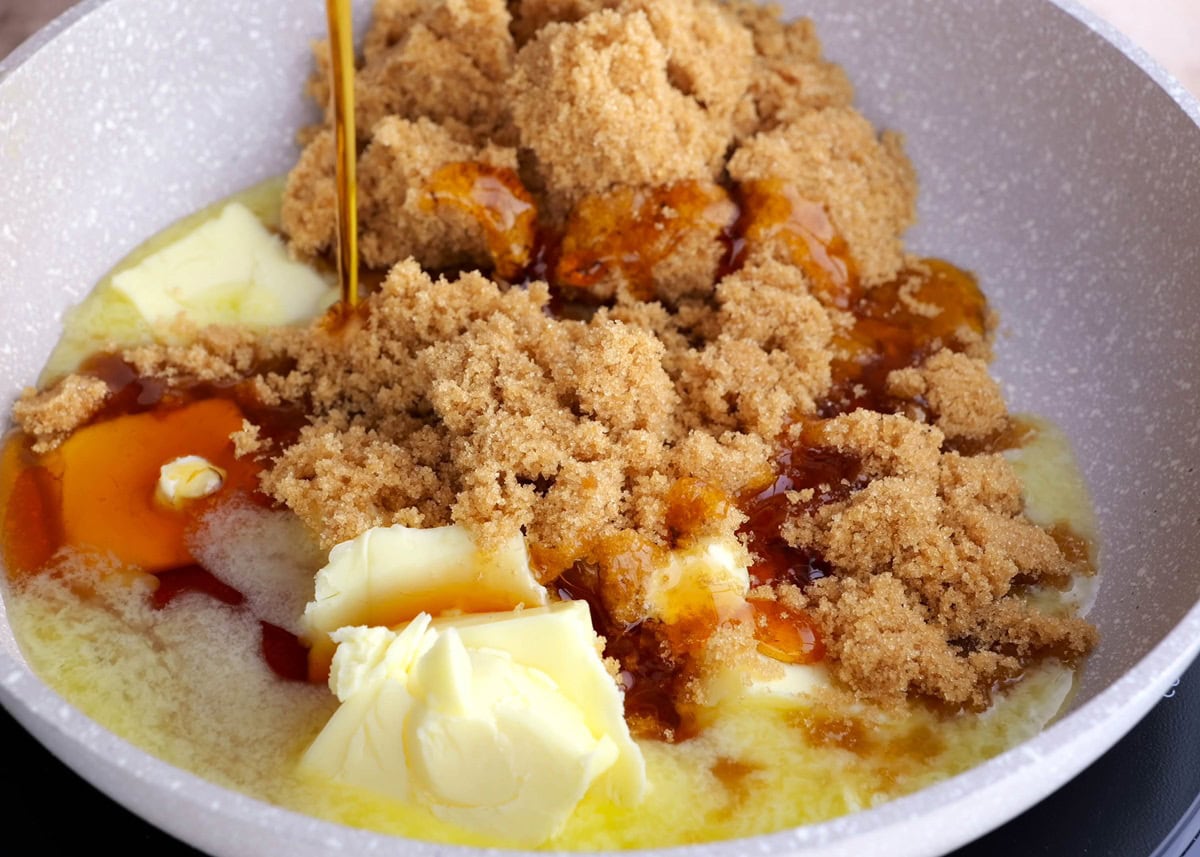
341	41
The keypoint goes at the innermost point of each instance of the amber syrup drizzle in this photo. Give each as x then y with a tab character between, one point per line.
496	199
341	41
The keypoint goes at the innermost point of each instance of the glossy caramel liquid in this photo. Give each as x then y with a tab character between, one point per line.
341	42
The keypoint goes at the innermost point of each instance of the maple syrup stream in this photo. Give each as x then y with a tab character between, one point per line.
341	41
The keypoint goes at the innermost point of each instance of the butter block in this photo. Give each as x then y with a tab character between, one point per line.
107	318
388	575
500	723
229	270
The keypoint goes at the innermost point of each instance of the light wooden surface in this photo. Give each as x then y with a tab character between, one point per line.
1169	30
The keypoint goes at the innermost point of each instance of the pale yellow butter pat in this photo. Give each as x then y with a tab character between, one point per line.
189	477
710	575
772	682
797	680
388	575
499	723
228	270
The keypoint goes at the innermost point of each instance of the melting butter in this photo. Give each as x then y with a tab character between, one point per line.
500	723
228	270
189	477
388	575
222	264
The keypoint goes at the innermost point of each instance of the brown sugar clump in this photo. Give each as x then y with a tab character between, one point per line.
926	553
51	415
965	400
834	157
389	485
445	60
308	213
882	644
753	362
214	355
399	200
735	384
595	103
887	445
529	16
710	55
551	425
398	206
789	76
728	460
769	304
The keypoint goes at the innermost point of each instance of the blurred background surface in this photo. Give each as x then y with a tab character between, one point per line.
19	19
1169	30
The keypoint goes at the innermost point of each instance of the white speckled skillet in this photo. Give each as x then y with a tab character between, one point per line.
1055	160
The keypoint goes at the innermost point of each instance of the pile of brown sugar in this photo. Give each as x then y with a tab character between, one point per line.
632	246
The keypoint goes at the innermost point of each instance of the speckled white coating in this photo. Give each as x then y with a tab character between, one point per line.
1055	160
